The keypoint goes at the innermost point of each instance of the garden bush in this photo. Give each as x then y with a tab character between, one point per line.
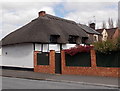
107	46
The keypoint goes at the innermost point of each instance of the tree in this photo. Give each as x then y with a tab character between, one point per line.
103	25
110	23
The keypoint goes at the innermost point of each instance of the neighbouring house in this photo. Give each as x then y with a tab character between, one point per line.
117	33
92	33
100	31
108	34
42	34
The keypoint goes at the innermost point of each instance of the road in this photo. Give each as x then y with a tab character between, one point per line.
18	83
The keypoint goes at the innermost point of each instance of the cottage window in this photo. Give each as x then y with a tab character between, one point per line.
84	40
53	38
72	39
95	38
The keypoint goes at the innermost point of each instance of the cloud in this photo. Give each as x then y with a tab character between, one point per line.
31	1
92	11
49	10
91	0
8	28
15	15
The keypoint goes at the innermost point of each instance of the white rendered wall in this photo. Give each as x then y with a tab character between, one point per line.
0	56
19	55
47	47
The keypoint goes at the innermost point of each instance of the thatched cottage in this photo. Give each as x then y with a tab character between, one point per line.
42	34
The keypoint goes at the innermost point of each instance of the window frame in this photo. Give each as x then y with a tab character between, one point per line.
73	39
54	38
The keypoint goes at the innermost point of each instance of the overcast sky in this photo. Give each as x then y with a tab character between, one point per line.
16	13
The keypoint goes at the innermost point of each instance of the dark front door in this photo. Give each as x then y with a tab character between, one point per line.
58	63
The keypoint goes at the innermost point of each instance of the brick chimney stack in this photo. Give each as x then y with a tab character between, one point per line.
92	25
41	13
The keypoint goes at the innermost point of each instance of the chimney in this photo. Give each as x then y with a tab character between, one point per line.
41	13
92	25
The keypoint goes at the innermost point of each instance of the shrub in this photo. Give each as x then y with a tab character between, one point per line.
74	50
106	46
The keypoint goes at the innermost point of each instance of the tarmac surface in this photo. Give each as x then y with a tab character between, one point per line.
86	80
19	83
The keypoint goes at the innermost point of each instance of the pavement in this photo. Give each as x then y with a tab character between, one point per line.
86	80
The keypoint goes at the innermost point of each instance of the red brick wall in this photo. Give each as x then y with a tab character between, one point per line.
92	71
45	68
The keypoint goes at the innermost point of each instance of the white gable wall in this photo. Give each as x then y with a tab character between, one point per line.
19	55
105	35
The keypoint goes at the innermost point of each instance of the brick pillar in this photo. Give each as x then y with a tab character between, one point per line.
52	61
35	58
93	58
62	61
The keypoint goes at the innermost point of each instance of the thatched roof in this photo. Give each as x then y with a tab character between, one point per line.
40	29
88	29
